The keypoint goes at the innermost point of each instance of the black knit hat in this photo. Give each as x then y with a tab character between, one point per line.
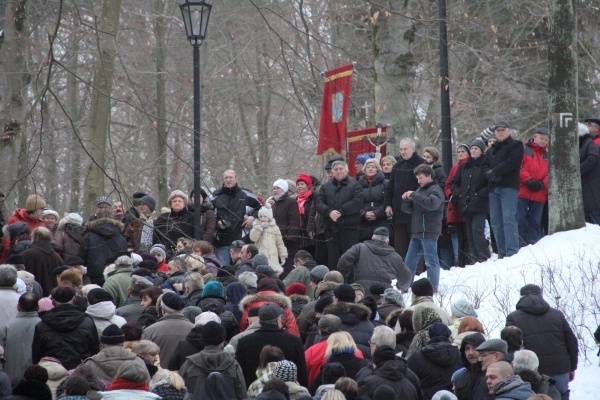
530	289
322	303
345	293
112	334
439	329
422	287
173	301
98	295
213	334
382	354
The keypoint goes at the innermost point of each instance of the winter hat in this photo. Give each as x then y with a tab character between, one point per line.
71	218
500	124
582	129
382	354
345	293
444	395
286	371
422	287
358	288
138	283
497	345
124	262
267	283
266	211
281	184
96	296
103	199
34	203
332	372
148	265
112	334
48	211
132	371
177	193
542	131
213	333
63	294
487	133
149	200
205	317
306	179
173	301
384	392
322	303
377	289
265	270
464	146
461	308
438	329
15	259
296	288
363	158
318	273
269	312
248	279
259	259
382	231
530	289
393	296
479	144
291	186
160	249
213	289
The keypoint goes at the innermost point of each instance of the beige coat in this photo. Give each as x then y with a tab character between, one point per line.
270	243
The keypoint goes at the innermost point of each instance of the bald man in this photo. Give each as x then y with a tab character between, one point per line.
504	384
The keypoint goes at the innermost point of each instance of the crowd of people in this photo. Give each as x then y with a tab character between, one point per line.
291	296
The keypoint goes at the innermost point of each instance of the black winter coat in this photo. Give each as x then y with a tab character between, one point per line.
352	365
171	226
346	196
102	239
426	204
471	381
470	188
391	373
287	217
434	364
188	346
547	333
217	305
232	205
355	321
67	334
589	165
374	197
505	158
402	180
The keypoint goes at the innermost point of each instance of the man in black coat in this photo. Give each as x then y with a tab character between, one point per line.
65	332
270	333
339	202
41	259
502	164
547	333
589	168
469	383
402	180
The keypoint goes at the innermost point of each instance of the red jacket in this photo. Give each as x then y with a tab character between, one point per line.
534	166
19	215
453	214
269	296
315	359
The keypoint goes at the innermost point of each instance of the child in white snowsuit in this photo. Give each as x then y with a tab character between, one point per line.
266	235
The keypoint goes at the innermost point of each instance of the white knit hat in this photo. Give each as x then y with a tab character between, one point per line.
282	184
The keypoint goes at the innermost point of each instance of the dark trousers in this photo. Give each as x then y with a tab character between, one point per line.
402	236
320	249
478	244
338	243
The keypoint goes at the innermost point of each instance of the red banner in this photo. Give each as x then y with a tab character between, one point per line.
357	145
334	109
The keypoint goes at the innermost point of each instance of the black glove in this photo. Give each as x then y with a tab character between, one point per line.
534	185
492	177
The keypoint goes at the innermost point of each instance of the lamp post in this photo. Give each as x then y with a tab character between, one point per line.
195	17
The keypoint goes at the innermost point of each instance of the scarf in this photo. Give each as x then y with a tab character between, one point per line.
120	383
147	236
301	199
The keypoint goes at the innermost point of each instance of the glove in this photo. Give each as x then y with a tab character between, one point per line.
492	177
282	260
534	185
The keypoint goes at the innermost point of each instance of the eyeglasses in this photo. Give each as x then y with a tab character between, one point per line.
482	355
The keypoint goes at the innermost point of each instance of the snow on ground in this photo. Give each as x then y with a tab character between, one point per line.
566	266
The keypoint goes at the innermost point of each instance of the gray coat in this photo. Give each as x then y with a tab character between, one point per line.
166	333
17	337
426	204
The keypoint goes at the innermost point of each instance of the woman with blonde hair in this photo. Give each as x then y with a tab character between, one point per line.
169	385
333	395
387	164
374	184
148	351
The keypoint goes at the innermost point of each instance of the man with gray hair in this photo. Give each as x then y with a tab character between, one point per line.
193	283
375	261
40	259
401	181
8	294
339	202
525	364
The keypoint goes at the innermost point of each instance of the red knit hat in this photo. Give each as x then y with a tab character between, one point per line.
304	178
296	288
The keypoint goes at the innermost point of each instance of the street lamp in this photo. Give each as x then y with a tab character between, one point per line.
195	17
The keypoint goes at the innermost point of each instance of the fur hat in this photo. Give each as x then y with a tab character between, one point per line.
345	293
213	334
393	296
103	199
461	308
265	270
530	289
213	289
123	262
318	273
149	200
248	279
70	218
306	179
259	259
444	395
34	203
138	283
173	301
205	317
112	334
422	287
160	249
286	371
295	288
266	211
281	184
177	193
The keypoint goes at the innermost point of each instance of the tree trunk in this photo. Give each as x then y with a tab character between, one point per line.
13	104
564	201
102	83
160	24
73	108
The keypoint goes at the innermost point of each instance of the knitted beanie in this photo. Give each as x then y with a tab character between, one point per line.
286	371
149	200
304	178
438	329
267	284
345	293
318	273
173	301
296	288
160	249
281	184
213	289
461	308
213	333
103	199
266	211
422	287
112	334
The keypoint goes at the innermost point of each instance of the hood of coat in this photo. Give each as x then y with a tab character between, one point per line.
443	354
310	264
110	359
105	227
55	369
389	370
64	318
533	304
513	387
212	359
349	313
379	248
214	304
265	297
195	337
212	258
102	310
475	339
533	377
300	298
